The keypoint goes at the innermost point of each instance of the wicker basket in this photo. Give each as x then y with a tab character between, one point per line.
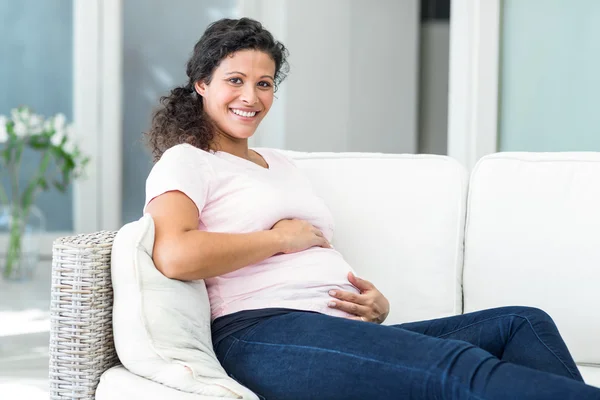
81	338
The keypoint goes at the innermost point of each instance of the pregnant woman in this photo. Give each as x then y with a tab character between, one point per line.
290	319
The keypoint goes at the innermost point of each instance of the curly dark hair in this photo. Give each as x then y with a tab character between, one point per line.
181	118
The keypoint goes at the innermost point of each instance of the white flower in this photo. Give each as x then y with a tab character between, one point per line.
57	138
71	143
60	121
3	131
21	114
35	124
25	113
20	129
48	125
15	115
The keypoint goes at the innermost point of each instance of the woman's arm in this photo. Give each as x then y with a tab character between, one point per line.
183	252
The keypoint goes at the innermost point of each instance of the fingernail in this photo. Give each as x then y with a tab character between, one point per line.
332	292
331	304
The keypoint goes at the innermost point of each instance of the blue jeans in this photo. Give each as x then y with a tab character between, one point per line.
502	353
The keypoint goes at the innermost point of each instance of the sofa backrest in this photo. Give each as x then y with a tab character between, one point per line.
533	238
399	223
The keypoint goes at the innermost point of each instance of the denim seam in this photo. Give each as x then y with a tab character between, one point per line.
532	328
359	357
247	332
549	348
229	349
473	324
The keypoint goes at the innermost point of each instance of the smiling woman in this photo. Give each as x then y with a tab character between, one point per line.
238	101
289	319
233	74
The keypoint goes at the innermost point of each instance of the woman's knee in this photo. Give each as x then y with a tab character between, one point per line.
533	314
535	318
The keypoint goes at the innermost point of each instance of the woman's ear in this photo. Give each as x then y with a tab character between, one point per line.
200	87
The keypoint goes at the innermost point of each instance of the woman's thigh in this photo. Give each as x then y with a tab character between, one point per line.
314	356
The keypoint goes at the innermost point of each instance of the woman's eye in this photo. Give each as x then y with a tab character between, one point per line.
264	84
236	81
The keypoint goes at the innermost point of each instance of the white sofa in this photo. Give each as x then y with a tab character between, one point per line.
522	229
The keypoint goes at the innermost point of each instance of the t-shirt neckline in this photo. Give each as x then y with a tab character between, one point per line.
243	160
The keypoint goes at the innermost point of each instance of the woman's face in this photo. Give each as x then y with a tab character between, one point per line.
240	93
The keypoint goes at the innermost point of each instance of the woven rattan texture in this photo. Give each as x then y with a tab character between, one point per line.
81	338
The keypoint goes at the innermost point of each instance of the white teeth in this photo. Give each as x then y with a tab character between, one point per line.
243	113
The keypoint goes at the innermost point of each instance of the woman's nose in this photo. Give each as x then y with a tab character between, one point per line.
249	95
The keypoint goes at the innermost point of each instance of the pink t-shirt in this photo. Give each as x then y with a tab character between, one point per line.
235	195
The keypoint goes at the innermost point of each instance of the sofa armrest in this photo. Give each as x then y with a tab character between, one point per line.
81	335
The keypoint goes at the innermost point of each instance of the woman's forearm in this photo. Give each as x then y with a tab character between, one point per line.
198	254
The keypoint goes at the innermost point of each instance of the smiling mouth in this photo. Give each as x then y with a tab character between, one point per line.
245	114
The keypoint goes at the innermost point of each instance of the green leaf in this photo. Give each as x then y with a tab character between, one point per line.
62	188
6	155
38	145
43	183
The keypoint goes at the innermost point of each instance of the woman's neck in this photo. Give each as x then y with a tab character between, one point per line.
237	147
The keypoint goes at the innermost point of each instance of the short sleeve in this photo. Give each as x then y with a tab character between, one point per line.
183	168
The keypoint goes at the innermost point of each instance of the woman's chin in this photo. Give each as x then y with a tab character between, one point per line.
242	133
236	132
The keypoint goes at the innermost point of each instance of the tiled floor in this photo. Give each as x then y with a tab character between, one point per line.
24	334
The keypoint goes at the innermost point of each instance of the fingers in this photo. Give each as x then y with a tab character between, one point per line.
350	308
349	297
324	243
360	283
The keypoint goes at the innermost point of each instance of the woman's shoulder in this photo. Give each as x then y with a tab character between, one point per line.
184	158
185	151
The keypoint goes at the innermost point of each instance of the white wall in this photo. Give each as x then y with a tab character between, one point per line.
384	59
433	91
354	81
318	88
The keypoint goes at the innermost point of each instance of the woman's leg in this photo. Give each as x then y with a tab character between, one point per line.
521	335
314	356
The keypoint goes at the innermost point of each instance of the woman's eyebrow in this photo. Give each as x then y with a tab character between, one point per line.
243	74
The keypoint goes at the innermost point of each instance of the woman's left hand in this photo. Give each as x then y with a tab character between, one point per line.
370	305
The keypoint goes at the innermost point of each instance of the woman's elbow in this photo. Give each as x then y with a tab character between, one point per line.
167	263
173	266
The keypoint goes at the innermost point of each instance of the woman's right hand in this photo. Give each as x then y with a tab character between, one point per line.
298	235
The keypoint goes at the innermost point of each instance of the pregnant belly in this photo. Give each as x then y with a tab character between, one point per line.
297	275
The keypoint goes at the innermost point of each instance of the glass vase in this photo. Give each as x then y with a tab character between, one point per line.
21	232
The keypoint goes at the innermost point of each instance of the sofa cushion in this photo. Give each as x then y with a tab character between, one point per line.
399	221
532	239
161	326
591	374
120	384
